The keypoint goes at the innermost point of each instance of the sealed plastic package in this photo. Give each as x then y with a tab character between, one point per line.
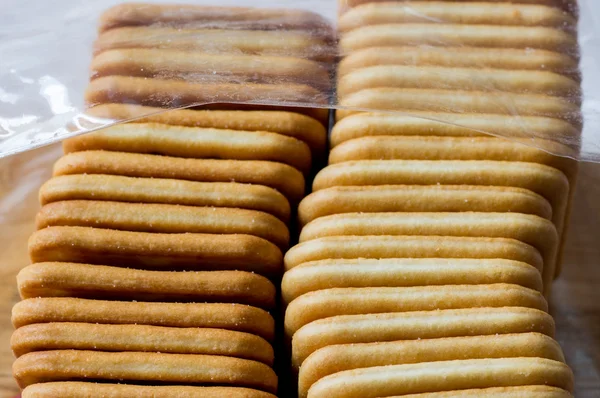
448	119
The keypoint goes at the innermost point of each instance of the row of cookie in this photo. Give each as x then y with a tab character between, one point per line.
175	55
425	247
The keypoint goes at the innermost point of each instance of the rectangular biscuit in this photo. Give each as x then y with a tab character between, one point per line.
140	338
104	283
498	392
236	317
153	251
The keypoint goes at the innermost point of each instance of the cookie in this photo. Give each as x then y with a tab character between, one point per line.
145	217
194	142
236	317
454	78
446	124
219	41
197	67
284	178
442	35
67	365
400	272
462	57
499	392
380	13
142	338
533	230
421	198
103	282
205	252
454	148
74	389
301	127
337	358
385	246
177	94
231	17
457	101
327	303
443	376
372	328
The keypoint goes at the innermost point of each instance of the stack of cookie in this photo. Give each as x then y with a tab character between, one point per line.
427	246
160	241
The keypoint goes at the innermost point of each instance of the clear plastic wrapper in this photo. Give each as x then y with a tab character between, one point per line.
530	72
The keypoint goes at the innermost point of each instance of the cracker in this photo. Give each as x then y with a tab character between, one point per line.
103	282
218	41
498	392
74	389
454	78
194	142
141	338
421	198
456	101
206	252
454	148
284	178
476	13
236	317
451	125
196	67
67	365
372	328
327	303
292	124
231	17
533	230
443	376
177	94
145	217
442	35
337	358
462	57
401	272
385	246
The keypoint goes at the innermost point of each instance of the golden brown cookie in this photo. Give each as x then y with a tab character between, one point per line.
408	100
442	35
327	303
103	282
454	78
388	246
73	365
372	328
399	272
73	389
462	57
141	338
237	317
533	230
194	142
498	392
336	358
163	218
421	198
219	41
211	16
279	176
447	124
443	376
292	124
475	13
206	252
454	148
197	67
